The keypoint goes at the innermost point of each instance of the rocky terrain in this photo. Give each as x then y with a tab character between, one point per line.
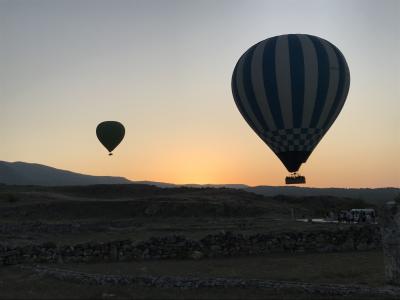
45	230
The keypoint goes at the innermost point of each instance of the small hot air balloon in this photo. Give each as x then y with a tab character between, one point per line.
290	89
110	134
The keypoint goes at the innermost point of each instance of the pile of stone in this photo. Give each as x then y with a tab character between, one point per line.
221	282
224	244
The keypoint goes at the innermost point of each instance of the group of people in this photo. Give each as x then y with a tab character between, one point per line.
357	216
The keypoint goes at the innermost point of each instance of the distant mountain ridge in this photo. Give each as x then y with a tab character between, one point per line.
22	173
371	195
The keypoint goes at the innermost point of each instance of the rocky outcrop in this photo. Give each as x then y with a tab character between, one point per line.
224	244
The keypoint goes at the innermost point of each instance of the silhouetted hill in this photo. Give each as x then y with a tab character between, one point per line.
111	201
194	185
377	195
21	173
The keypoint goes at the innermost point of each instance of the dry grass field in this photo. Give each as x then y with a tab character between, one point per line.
364	268
106	213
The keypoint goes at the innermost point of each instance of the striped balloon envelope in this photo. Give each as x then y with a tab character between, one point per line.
290	89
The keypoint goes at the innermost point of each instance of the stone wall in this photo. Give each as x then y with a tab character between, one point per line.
224	244
391	241
220	282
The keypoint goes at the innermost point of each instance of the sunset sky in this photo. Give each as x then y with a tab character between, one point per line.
163	69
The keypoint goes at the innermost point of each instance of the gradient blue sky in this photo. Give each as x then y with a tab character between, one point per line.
163	69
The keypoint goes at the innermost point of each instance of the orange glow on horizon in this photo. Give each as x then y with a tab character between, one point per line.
165	74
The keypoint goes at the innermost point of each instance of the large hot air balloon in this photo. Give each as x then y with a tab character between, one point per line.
290	89
110	134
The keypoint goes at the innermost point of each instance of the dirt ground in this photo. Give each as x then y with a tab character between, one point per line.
364	268
104	214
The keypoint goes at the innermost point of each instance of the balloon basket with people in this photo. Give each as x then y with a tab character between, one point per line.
295	178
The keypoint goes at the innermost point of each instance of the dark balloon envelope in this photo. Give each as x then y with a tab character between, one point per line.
110	134
290	89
